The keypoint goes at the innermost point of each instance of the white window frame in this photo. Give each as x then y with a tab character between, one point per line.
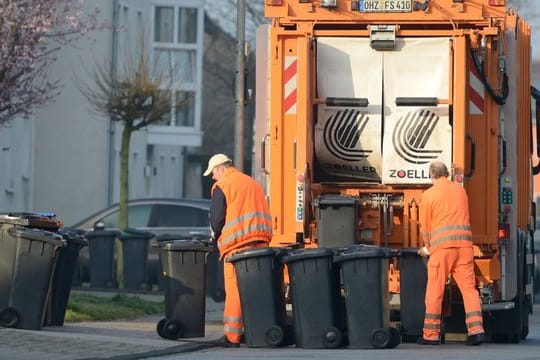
196	85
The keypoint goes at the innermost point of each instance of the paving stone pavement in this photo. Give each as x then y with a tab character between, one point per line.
134	339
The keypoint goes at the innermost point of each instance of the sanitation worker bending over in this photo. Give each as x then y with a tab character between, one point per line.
444	219
240	220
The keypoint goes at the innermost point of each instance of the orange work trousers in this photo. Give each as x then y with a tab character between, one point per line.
459	262
233	325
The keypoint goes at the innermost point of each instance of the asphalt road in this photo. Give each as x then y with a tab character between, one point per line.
528	349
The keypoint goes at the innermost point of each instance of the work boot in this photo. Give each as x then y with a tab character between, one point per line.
224	342
422	341
476	339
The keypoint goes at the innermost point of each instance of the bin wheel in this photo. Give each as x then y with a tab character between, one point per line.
159	328
395	338
173	329
9	317
274	335
380	338
331	337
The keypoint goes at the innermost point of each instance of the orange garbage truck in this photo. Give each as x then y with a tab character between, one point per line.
356	98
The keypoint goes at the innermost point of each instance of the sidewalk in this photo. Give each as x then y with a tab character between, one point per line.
133	339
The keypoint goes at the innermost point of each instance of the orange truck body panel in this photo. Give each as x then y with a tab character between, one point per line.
422	55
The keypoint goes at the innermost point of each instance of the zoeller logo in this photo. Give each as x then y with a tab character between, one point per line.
411	135
342	133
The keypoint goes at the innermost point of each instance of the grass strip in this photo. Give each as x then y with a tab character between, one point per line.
86	307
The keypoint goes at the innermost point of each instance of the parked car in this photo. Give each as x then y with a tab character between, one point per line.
160	216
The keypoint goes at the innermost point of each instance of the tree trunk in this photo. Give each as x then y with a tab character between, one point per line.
123	216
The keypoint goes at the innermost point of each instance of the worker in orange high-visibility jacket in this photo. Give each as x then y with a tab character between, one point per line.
447	235
240	220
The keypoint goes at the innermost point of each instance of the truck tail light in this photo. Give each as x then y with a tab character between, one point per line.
274	2
497	2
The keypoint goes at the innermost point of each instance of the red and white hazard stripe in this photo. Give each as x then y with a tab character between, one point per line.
290	73
477	92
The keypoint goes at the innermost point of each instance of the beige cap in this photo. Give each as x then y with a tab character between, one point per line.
214	161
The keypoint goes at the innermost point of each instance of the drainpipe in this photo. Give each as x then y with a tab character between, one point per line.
111	133
240	85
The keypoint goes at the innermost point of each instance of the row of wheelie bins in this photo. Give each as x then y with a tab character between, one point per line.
135	246
338	297
37	263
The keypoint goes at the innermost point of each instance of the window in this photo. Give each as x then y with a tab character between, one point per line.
164	24
177	50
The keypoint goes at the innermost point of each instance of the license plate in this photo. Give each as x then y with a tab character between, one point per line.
385	6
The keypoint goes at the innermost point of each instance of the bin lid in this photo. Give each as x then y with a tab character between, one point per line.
130	233
73	237
309	253
37	235
40	220
409	252
102	234
362	252
186	245
13	220
335	199
172	237
251	253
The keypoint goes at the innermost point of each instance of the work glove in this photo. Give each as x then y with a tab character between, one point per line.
424	252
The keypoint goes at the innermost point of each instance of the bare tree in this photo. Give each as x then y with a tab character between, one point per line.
31	33
137	95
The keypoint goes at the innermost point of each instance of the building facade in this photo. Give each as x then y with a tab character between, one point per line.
66	158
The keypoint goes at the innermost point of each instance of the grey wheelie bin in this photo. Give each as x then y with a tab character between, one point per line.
135	245
27	257
184	270
63	271
259	273
413	281
365	281
101	261
315	297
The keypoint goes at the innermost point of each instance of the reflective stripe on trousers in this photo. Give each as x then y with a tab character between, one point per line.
460	263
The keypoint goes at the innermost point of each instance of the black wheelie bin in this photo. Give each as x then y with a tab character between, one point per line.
135	245
365	281
184	270
27	257
101	260
259	273
413	281
63	271
315	297
215	287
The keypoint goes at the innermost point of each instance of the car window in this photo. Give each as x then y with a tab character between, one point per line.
180	215
138	217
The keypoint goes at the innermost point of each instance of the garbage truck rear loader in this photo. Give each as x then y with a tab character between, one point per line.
356	98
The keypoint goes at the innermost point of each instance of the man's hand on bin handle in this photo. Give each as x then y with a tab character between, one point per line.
424	252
